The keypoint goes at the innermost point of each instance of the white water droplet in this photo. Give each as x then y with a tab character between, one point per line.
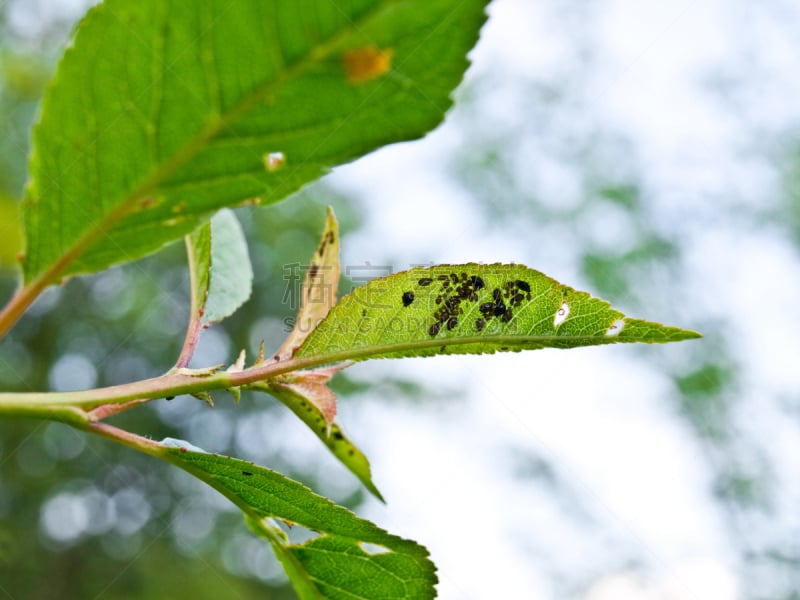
615	328
561	314
274	161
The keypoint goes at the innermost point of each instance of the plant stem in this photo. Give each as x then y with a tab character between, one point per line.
174	383
17	306
126	438
19	405
194	326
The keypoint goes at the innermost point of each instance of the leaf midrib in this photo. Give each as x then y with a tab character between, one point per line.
494	340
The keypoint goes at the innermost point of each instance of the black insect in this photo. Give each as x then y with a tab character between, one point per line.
480	324
434	329
487	309
425	281
497	295
408	298
499	308
451	323
523	285
247	473
506	316
477	282
451	303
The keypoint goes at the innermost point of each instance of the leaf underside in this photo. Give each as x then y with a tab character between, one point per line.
162	112
320	287
472	309
341	562
219	264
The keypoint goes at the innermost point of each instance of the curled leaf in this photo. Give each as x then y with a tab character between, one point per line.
320	287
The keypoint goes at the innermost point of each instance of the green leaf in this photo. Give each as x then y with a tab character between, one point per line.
220	269
162	112
220	273
472	309
329	433
231	273
10	238
338	564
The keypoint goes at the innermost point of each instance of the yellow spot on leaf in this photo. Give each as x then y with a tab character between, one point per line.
363	64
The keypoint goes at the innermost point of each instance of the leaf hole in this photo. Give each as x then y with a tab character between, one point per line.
373	549
615	328
297	534
561	314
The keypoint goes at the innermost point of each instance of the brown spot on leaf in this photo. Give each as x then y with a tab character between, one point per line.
363	64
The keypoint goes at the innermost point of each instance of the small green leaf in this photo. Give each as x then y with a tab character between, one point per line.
329	433
220	273
231	276
472	309
341	563
220	270
163	112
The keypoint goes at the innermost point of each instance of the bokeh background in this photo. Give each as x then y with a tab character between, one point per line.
648	152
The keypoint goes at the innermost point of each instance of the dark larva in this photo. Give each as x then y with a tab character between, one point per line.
499	309
425	281
480	324
477	282
523	285
408	298
451	323
434	329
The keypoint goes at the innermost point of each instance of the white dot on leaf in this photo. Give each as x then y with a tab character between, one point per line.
615	328
561	314
273	161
